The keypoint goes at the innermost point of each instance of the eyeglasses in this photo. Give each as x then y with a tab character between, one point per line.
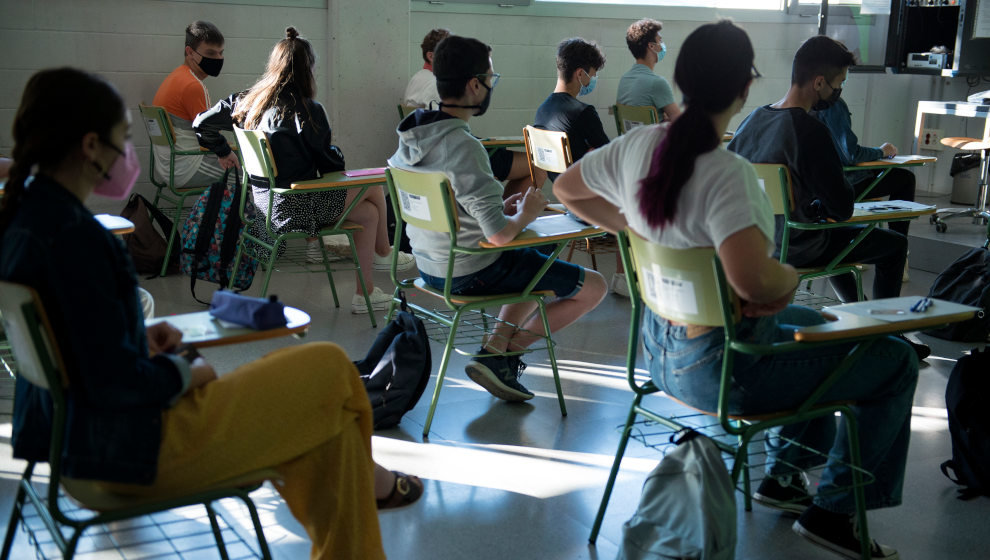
755	73
495	76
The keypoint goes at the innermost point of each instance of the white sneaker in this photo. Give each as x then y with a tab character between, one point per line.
618	285
405	262
379	302
313	255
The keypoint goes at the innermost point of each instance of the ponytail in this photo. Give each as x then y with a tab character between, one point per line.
13	193
713	70
672	164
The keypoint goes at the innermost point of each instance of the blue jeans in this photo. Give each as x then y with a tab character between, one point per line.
881	383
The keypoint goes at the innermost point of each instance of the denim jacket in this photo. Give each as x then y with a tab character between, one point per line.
87	285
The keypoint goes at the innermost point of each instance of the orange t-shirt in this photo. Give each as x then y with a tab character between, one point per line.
182	94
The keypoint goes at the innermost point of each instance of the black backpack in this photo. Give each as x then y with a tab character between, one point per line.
966	399
397	368
966	281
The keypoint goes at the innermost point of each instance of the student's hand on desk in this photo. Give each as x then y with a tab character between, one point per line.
889	150
510	205
162	337
533	203
202	373
228	161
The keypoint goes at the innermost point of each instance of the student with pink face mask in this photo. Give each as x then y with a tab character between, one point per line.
144	418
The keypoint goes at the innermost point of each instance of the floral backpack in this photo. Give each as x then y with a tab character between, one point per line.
210	235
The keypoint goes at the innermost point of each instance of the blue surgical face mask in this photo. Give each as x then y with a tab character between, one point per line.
662	52
585	90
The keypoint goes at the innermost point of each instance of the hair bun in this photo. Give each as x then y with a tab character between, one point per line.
291	33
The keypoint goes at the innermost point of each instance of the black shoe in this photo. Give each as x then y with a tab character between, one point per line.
922	350
789	494
499	376
837	532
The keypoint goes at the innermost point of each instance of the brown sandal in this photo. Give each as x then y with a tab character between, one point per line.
406	490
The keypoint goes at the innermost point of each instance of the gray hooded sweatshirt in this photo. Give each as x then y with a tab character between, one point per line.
431	142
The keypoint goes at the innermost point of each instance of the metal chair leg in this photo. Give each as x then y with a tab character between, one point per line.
444	362
217	533
614	473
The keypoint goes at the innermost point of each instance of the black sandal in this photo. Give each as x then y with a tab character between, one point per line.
406	490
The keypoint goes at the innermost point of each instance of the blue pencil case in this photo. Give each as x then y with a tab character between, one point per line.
257	313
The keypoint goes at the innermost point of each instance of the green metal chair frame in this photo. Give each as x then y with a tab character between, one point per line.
633	115
777	184
258	161
39	362
717	306
161	133
437	211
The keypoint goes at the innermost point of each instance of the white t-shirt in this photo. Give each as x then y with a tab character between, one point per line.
422	90
723	195
185	166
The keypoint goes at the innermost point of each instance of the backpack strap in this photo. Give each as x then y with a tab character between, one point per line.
207	227
163	221
231	231
946	466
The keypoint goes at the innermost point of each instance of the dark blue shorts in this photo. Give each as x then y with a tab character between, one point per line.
512	272
501	160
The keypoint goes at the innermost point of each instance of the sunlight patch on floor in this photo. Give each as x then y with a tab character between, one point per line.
536	472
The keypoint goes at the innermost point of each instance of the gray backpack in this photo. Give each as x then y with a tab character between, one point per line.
687	509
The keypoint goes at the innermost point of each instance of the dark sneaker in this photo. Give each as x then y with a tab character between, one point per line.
788	494
922	350
837	532
499	376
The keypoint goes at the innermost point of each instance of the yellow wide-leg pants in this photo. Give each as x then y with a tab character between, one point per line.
300	410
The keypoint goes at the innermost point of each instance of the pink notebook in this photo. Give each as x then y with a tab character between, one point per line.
365	172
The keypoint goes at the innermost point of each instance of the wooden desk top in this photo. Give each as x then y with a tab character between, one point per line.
116	224
896	161
203	330
567	225
339	179
860	318
502	141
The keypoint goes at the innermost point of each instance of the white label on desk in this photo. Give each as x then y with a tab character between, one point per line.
629	125
153	129
546	157
669	293
414	205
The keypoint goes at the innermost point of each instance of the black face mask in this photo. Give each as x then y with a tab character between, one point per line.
482	107
211	66
823	104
